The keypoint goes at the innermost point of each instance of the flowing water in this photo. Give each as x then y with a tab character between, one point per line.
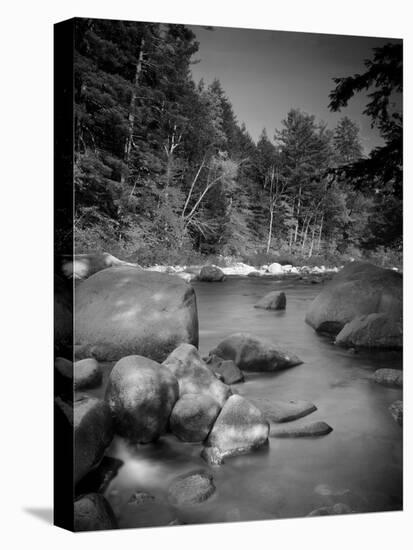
359	463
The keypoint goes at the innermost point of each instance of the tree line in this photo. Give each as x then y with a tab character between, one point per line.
163	169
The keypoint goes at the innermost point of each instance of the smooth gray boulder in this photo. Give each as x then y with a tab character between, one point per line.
250	353
211	274
396	410
376	330
239	428
193	417
124	311
141	394
273	300
358	289
315	429
392	378
226	370
92	512
192	488
87	374
194	376
81	266
283	411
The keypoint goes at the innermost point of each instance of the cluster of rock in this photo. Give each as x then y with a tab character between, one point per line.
361	306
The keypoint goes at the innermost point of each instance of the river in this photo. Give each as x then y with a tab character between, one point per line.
359	463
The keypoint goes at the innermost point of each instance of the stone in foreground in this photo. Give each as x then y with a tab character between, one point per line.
87	374
211	274
315	429
335	510
194	376
193	416
250	353
392	378
93	433
273	300
192	488
376	330
123	311
358	289
396	410
141	394
283	411
93	513
239	428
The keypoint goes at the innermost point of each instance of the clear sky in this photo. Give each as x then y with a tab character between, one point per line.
266	73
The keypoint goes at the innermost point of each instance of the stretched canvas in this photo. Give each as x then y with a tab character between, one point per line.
228	274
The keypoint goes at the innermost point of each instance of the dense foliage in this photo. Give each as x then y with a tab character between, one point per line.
164	170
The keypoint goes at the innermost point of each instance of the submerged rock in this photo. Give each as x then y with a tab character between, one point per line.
140	497
225	370
193	416
375	330
93	513
358	289
272	300
389	377
211	274
337	509
141	394
97	481
192	488
194	376
254	354
396	410
240	427
283	411
87	374
124	310
212	455
315	429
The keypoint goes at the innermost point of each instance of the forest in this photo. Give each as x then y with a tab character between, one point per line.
165	173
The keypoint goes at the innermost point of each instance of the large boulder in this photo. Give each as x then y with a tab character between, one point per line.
81	266
315	429
141	394
123	311
254	354
275	269
358	289
272	300
90	423
376	330
392	378
240	427
92	512
211	274
193	416
194	376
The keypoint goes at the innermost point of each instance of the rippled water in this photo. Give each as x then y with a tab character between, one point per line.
359	463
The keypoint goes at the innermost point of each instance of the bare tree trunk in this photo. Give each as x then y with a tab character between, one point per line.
321	231
298	214
312	242
270	229
132	107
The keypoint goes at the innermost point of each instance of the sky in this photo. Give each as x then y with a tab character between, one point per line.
266	73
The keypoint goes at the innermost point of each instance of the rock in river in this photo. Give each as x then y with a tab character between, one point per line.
141	394
92	513
254	354
283	411
124	310
315	429
192	488
87	374
376	330
396	410
211	274
337	509
275	269
225	370
240	427
389	377
358	289
193	416
272	300
194	376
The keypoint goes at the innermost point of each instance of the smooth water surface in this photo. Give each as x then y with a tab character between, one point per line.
359	463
